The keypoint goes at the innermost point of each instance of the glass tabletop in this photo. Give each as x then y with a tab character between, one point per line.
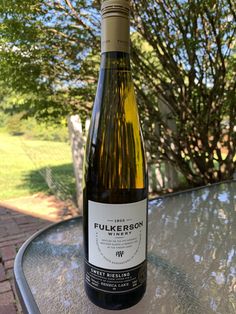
191	259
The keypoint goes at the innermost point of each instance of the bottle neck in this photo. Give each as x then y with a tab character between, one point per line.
115	35
115	60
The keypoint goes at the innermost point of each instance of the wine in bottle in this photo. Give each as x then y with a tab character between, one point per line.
115	176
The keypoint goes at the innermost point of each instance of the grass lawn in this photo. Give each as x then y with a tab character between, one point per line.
23	165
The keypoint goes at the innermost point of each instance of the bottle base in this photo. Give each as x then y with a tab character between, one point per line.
112	301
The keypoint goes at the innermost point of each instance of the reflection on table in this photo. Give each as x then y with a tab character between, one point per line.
191	258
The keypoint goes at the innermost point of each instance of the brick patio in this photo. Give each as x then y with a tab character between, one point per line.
15	228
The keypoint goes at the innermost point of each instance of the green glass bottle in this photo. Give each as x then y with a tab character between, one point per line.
115	187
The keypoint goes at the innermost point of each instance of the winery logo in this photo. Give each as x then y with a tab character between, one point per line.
120	253
118	230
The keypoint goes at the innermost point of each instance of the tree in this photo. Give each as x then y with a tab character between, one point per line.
44	56
193	42
183	65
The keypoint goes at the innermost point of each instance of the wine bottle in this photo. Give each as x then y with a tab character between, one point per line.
115	176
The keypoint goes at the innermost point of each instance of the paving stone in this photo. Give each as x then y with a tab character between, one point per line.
2	229
7	253
4	219
8	309
6	298
26	220
29	228
11	237
4	211
9	274
2	273
17	241
5	286
12	228
22	220
9	264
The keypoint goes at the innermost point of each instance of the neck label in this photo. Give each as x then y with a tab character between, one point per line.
115	34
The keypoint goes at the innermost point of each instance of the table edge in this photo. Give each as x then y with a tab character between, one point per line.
23	290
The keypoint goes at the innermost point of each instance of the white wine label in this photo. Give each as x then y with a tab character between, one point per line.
117	235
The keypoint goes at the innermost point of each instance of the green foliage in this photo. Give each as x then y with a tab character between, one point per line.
183	56
43	50
14	125
33	130
2	119
14	119
45	132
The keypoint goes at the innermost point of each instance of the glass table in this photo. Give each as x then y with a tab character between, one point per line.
191	259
